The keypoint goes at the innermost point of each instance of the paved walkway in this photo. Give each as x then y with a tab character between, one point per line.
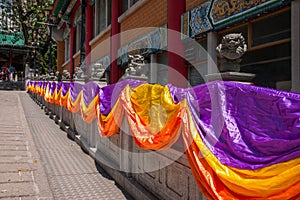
38	161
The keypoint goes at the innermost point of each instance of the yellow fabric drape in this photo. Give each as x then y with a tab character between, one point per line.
57	96
109	125
74	107
47	93
153	118
64	99
89	113
222	182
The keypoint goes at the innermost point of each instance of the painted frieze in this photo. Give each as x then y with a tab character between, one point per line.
218	14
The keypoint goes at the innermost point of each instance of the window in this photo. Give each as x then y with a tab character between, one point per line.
78	36
269	48
102	10
271	65
126	4
96	17
67	48
265	30
278	28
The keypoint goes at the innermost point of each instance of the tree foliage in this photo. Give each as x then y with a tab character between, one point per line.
28	17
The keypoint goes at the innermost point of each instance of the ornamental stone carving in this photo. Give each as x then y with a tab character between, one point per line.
97	72
65	75
230	51
136	67
78	75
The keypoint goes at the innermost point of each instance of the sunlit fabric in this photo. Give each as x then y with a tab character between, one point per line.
57	93
110	124
111	110
65	92
109	95
74	98
47	91
242	141
42	88
153	117
89	102
52	88
264	182
249	127
36	88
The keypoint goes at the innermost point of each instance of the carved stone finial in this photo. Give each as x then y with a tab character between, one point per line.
136	66
65	75
230	51
97	72
78	73
57	76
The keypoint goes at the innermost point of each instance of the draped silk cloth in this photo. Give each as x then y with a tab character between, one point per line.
64	94
152	116
52	92
89	102
261	126
41	88
255	153
74	97
242	141
230	183
47	91
111	110
57	93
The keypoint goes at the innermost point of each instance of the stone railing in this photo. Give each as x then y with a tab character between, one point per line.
144	174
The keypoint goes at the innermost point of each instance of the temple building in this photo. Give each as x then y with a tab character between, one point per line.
227	137
13	51
103	33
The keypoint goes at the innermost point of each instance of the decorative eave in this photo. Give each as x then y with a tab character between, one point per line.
70	7
215	15
14	39
16	48
60	11
58	5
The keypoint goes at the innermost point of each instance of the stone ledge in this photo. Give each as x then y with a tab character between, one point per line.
230	76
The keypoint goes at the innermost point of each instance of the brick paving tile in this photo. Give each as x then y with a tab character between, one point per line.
38	161
71	173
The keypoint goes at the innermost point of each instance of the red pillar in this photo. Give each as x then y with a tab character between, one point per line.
10	58
88	37
177	71
114	42
72	37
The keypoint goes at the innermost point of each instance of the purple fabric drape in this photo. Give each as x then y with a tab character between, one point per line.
52	87
110	94
65	88
75	89
90	91
246	127
58	86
